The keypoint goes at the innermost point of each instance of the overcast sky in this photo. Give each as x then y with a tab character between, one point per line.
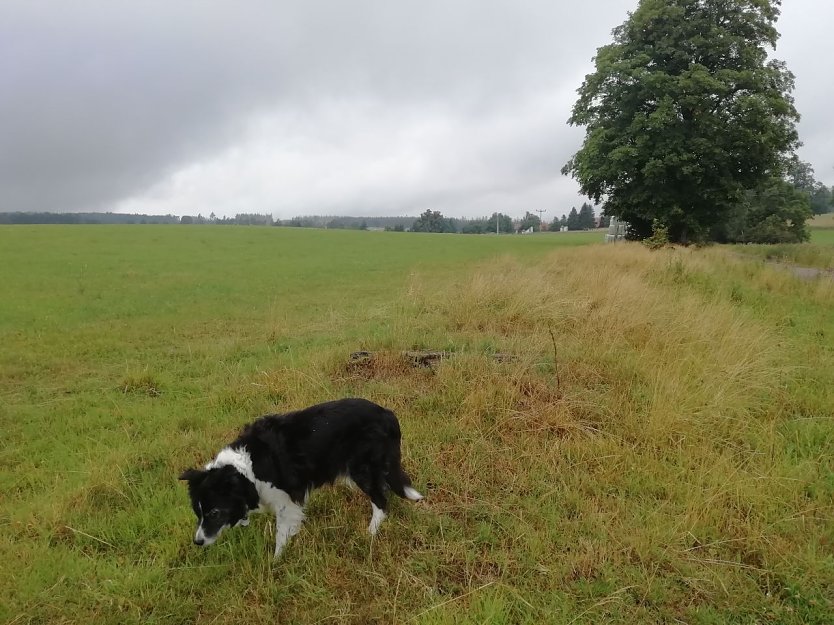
360	108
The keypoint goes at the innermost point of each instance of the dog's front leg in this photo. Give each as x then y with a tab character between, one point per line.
288	520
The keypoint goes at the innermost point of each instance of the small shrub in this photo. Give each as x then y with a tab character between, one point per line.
659	238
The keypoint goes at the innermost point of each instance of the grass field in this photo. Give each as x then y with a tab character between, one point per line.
661	450
819	252
822	236
822	221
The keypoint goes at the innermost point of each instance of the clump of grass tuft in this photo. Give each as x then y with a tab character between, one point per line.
143	383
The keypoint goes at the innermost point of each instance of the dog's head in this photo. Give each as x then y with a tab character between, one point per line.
220	498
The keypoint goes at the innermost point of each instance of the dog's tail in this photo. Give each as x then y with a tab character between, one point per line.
396	477
400	483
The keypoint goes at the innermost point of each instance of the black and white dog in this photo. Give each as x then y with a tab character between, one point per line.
277	460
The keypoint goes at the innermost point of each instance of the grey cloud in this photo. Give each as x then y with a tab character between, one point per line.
806	46
155	106
94	105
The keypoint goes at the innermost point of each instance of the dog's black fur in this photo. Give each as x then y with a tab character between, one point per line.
298	452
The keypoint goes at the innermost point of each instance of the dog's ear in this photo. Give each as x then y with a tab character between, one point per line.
192	475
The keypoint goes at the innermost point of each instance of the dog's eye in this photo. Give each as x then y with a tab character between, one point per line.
214	512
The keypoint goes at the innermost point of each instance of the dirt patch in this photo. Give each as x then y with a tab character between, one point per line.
381	365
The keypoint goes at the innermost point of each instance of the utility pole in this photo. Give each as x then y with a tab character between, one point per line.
541	211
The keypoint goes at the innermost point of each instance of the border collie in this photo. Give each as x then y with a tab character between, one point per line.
278	459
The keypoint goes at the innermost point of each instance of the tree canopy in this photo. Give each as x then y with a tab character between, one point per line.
801	176
530	221
685	114
505	223
587	219
433	221
573	222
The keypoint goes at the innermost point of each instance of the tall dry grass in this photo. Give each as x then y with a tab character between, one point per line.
644	360
635	443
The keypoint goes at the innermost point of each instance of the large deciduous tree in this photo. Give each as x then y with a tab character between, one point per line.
433	221
684	114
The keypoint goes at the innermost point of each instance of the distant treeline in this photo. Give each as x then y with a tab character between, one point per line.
429	221
85	218
241	219
433	221
338	222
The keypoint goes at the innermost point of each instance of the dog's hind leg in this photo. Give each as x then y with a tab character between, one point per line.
377	517
370	481
379	503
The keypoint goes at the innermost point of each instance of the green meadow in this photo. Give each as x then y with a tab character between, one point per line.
822	236
659	448
817	253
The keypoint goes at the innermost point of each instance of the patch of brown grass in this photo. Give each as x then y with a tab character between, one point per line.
143	383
